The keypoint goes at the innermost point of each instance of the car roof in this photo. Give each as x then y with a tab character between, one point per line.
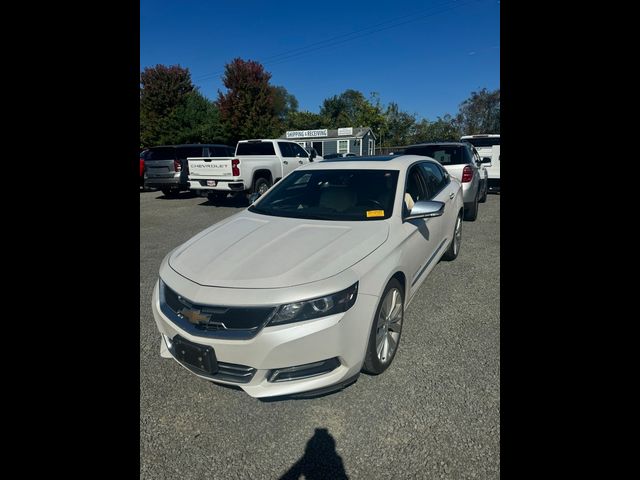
459	144
382	162
182	145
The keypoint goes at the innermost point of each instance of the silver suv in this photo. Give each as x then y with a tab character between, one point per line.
168	170
461	161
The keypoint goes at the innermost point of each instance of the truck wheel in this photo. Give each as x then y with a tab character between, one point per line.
170	192
216	197
261	185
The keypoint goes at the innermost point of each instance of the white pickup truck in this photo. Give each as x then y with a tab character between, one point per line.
256	165
488	145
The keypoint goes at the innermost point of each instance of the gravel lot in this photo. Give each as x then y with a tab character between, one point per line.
435	413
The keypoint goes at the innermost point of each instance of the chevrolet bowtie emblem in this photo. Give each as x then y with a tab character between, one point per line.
195	316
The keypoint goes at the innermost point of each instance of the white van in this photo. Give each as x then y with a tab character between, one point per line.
488	145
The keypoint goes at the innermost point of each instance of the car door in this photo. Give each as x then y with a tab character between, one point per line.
301	154
424	235
289	160
442	190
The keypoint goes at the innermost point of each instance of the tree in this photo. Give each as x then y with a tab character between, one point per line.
351	108
284	103
247	109
197	121
443	129
480	113
399	126
304	121
162	90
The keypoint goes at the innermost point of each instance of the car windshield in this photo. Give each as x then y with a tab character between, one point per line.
360	195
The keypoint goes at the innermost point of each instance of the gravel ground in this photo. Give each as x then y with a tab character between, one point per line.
435	413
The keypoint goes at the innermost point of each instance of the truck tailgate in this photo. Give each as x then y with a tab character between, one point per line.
209	167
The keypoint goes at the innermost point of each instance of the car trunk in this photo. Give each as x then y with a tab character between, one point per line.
159	162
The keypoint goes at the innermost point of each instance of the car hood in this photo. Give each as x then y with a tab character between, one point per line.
258	251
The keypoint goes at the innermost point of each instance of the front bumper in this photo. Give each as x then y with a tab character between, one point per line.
343	336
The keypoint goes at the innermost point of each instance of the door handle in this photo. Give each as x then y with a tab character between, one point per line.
300	162
451	195
284	162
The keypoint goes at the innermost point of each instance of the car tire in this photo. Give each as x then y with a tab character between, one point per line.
456	241
471	213
261	185
170	192
485	191
216	197
386	329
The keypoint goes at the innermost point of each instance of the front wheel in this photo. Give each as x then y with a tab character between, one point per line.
386	329
456	241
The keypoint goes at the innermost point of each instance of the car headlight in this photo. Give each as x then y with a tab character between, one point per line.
317	307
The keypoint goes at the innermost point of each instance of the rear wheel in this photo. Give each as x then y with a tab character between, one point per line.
386	329
483	198
456	241
471	213
261	185
216	196
170	192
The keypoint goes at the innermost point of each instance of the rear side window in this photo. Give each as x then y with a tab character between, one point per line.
186	152
444	154
160	153
255	148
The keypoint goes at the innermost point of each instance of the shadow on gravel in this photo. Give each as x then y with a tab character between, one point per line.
320	460
235	202
178	196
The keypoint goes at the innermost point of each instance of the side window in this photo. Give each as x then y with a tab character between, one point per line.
286	150
298	150
434	178
415	190
468	158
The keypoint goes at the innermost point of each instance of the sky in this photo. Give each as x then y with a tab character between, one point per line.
427	56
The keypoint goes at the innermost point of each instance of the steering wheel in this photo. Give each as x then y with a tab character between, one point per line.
373	202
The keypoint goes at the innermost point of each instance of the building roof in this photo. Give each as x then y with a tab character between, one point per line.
358	132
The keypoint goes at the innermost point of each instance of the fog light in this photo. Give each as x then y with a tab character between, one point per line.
303	371
168	342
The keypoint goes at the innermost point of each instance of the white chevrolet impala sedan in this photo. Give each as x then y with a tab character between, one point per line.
306	288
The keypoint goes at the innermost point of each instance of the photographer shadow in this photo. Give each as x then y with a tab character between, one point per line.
320	460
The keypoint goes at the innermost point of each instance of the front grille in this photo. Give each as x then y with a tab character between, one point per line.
213	321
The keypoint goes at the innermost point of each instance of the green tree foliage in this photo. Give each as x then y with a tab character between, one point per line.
304	121
162	91
399	127
196	121
443	129
284	104
480	113
351	108
247	109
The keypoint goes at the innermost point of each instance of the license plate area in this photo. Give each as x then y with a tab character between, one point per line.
200	358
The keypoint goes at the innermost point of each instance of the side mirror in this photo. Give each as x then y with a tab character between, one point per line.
486	160
426	209
253	197
312	155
